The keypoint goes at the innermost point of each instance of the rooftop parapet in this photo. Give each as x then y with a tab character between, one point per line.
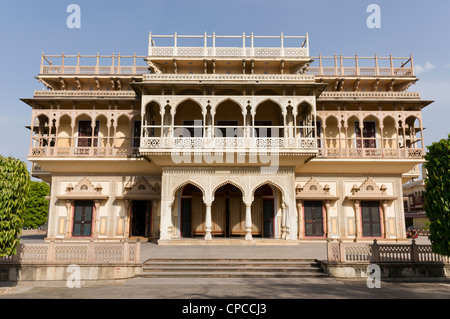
361	66
211	47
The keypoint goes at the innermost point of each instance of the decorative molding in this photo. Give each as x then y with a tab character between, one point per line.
369	190
84	189
313	190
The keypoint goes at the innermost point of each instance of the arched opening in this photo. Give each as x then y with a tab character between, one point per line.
332	138
122	137
191	211
389	134
263	212
228	212
103	134
305	121
87	132
367	134
152	120
268	122
353	123
64	136
188	120
40	132
413	133
228	120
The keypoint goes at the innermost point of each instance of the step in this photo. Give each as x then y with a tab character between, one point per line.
231	268
230	263
229	260
216	269
234	274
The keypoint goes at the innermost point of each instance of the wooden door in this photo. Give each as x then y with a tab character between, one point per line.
82	218
313	211
370	219
268	217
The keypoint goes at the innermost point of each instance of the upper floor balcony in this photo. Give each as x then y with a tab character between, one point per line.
101	65
225	46
356	66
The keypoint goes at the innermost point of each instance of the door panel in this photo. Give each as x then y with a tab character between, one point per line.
82	218
313	211
268	216
370	219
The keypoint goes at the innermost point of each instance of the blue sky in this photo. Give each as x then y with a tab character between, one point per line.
28	28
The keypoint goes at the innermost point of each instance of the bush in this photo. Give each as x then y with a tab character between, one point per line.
437	195
14	187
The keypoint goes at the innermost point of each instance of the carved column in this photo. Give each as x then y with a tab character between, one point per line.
301	232
96	220
208	222
248	221
68	217
283	221
154	216
126	231
327	226
357	218
384	208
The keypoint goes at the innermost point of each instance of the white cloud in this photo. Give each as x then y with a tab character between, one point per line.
421	69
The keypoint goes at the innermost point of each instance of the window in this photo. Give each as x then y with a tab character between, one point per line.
370	219
85	134
368	136
82	218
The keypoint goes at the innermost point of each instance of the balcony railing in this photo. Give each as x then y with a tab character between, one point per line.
95	147
226	137
366	148
227	143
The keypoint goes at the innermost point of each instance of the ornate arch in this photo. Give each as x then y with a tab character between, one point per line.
175	189
267	100
217	104
181	101
215	188
283	193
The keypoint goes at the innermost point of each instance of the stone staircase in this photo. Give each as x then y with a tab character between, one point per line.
231	268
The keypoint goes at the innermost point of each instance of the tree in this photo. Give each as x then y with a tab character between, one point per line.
36	205
437	195
14	187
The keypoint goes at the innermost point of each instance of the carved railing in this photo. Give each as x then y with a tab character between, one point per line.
86	93
76	252
379	66
227	77
214	49
95	152
370	95
82	64
343	252
367	148
227	143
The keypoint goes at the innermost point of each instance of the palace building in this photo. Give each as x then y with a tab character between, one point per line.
208	138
